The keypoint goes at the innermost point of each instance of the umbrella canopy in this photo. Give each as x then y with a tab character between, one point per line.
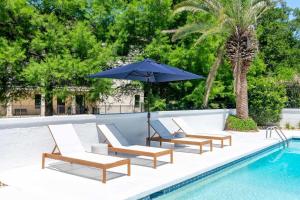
148	71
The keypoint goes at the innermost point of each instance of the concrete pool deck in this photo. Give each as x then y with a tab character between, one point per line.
66	181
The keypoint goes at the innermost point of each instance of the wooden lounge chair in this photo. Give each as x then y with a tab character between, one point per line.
71	150
164	135
119	144
184	127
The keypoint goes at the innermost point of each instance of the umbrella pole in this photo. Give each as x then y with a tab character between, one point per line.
148	116
148	112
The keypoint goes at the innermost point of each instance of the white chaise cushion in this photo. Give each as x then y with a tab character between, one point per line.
66	139
113	135
189	130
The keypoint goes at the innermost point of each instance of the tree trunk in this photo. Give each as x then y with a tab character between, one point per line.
242	94
48	105
241	48
49	100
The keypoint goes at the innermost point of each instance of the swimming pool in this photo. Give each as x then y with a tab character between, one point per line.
272	175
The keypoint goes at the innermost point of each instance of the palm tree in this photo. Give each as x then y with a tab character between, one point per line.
234	23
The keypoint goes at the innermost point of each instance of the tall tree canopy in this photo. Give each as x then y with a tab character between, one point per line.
54	44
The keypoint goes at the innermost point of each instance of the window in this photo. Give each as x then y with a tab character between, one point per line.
137	100
37	101
60	102
60	106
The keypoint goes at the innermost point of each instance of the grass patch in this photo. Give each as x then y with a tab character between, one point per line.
234	123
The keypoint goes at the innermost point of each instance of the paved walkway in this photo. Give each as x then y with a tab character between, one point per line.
66	181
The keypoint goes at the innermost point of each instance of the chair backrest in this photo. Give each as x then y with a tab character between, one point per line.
169	124
66	139
160	129
113	135
183	125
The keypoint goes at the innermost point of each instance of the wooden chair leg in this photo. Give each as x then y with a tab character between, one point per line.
43	161
230	141
222	143
171	157
201	149
103	175
211	145
154	162
128	169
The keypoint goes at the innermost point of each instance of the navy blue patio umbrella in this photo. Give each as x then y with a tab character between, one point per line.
147	71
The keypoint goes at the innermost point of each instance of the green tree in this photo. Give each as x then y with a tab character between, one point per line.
63	56
234	22
279	44
15	32
12	58
62	41
137	23
293	94
63	9
197	59
15	17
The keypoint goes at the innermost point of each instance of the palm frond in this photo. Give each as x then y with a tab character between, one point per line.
214	6
269	2
212	75
221	28
253	11
208	6
207	33
190	5
189	29
260	7
244	13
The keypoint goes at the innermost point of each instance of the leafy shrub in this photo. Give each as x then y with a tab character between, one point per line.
158	104
293	94
267	98
289	126
236	124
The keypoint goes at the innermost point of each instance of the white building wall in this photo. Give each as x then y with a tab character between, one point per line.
290	116
121	103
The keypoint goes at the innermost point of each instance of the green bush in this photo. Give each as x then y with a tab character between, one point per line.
289	126
158	104
236	124
293	94
267	98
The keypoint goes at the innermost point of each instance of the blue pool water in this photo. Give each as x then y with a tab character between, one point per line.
274	175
